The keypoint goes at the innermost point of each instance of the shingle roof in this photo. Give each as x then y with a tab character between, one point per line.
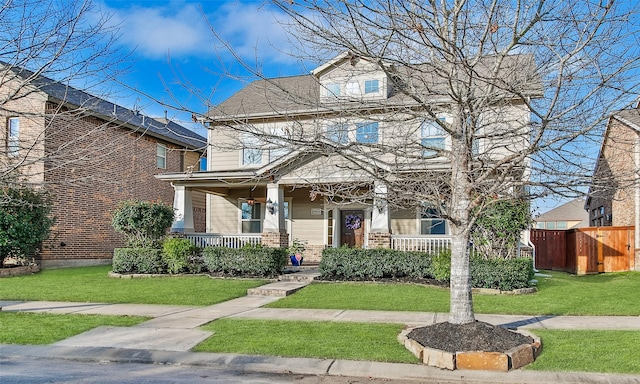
300	94
572	210
169	131
630	115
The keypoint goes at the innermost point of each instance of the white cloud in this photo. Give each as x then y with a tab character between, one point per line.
180	29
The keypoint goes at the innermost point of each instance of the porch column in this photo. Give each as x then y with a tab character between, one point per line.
380	233
274	231
183	210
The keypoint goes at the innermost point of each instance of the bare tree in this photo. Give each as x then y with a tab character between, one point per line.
51	47
525	88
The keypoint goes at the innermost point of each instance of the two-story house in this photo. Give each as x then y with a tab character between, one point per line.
91	154
330	130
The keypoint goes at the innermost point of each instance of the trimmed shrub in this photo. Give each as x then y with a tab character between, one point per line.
361	264
503	274
249	261
137	260
180	256
142	223
356	263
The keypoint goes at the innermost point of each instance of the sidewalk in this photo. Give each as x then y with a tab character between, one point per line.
174	330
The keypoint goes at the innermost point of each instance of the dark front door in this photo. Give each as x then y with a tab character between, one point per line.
352	228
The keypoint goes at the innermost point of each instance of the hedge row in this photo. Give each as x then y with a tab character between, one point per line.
179	256
354	263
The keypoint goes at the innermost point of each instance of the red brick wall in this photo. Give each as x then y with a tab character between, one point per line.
93	166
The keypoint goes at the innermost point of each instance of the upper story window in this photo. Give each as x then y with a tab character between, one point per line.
352	88
333	89
203	163
367	132
433	137
338	133
371	86
251	151
161	156
13	136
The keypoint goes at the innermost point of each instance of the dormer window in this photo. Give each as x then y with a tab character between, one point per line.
371	86
353	88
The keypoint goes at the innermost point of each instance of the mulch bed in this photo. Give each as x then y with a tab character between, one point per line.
476	336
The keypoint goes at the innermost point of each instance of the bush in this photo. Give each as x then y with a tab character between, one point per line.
24	221
181	255
137	260
441	266
503	274
360	264
356	263
142	223
249	261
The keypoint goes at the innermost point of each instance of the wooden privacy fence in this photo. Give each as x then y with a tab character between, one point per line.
585	250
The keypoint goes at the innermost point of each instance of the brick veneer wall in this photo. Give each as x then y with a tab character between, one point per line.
613	181
104	165
379	240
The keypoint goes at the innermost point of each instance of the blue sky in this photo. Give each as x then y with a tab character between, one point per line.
172	44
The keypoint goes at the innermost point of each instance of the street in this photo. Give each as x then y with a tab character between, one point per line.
33	371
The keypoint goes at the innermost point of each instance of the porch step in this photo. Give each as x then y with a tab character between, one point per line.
303	275
279	289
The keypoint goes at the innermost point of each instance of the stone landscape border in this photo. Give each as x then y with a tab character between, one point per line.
18	271
477	360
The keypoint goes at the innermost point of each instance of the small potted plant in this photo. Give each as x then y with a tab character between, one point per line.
296	252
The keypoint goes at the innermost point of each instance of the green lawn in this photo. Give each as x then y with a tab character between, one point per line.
326	340
561	294
92	284
47	328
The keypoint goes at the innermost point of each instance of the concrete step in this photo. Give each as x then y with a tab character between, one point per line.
279	289
302	275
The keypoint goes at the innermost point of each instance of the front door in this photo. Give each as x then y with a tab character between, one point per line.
352	228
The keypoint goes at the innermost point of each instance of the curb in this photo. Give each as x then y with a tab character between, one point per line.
307	366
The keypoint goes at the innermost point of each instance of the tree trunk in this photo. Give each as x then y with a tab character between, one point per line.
461	303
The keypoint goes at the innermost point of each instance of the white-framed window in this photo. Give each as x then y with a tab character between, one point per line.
367	132
431	222
277	147
371	86
332	89
251	217
352	88
338	133
161	156
251	151
433	137
13	136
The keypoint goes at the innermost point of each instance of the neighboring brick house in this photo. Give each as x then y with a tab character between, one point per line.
261	190
92	155
567	216
614	197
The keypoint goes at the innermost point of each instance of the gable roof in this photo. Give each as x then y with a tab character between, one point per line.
299	95
59	92
570	211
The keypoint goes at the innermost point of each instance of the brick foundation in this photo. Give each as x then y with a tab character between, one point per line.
379	240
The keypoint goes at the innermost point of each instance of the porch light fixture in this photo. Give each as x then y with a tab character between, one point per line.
271	206
251	200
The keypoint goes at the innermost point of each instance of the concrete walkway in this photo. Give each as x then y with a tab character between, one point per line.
176	328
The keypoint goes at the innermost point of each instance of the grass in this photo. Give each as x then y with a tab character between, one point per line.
46	328
326	340
562	294
588	351
92	284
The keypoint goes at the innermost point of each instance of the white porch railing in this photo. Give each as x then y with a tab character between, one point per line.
421	243
235	240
